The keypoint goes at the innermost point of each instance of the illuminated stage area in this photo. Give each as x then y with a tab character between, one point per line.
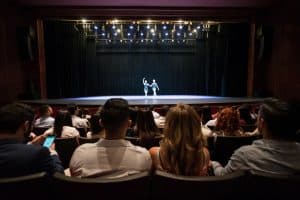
149	100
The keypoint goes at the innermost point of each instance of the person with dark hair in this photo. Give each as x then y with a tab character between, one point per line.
45	120
16	157
112	156
96	129
146	128
277	152
63	126
77	122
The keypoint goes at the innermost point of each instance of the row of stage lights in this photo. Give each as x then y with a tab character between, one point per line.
164	32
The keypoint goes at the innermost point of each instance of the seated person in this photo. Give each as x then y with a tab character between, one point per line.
182	151
96	129
277	152
16	157
45	120
228	123
62	126
112	156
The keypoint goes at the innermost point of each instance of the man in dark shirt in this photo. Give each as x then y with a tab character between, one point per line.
16	157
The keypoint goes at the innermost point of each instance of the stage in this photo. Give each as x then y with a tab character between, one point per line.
148	100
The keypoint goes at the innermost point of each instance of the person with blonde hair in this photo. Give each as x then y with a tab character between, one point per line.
182	151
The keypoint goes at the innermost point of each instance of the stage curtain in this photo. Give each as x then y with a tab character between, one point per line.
77	65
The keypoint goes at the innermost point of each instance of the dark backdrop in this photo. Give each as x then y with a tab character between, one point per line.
79	66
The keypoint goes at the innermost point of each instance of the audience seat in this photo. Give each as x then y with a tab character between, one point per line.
33	187
170	186
271	186
135	186
39	130
83	140
225	146
65	148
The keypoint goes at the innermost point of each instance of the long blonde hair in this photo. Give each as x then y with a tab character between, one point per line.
181	150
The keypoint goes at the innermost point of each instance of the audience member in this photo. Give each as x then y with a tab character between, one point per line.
228	123
77	122
63	126
277	152
45	120
245	114
113	156
146	128
182	151
96	129
16	157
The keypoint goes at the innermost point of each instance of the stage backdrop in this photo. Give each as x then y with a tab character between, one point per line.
78	65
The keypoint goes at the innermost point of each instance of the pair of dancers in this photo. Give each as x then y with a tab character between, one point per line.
153	85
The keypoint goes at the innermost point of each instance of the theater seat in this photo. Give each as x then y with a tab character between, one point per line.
170	186
135	186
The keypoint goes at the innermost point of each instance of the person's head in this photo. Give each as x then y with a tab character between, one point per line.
62	118
115	117
183	142
16	119
278	120
245	113
228	121
153	80
72	108
95	125
45	110
145	124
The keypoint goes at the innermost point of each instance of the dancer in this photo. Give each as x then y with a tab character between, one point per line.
146	85
154	87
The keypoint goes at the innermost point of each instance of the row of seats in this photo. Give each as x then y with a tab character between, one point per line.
160	185
220	147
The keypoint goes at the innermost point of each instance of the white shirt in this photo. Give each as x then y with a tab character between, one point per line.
46	122
79	122
67	131
109	159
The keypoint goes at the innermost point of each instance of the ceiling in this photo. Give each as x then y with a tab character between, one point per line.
151	3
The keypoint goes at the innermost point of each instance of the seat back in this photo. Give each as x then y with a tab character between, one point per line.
39	130
135	186
83	140
152	142
82	131
34	186
170	186
225	146
249	127
270	186
134	140
65	148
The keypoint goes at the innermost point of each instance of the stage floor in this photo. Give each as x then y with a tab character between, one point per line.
149	100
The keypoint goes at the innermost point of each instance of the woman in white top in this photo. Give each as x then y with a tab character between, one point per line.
63	126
